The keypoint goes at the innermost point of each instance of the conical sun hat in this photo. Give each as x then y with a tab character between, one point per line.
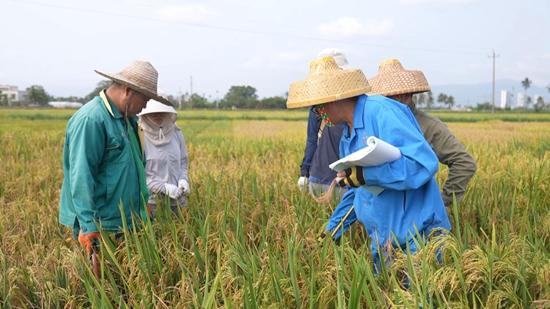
326	82
154	106
393	79
140	76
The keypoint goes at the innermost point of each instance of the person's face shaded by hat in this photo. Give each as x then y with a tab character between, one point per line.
337	112
129	101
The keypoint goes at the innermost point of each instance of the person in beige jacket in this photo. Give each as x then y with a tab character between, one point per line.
395	82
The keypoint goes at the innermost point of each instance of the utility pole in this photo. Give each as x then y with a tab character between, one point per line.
493	93
191	92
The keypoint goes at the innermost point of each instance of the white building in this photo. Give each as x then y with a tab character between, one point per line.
61	104
521	100
11	93
505	99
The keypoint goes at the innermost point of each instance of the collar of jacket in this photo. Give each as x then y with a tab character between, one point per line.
357	115
111	108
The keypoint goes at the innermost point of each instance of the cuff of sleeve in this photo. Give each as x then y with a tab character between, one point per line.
88	227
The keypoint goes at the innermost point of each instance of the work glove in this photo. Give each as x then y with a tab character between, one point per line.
89	241
183	187
302	183
171	190
352	177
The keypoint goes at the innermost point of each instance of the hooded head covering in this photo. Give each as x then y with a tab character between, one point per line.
158	133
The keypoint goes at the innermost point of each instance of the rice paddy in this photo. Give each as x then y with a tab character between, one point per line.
249	236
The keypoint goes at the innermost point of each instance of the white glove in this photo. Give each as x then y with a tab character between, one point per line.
183	187
302	183
171	190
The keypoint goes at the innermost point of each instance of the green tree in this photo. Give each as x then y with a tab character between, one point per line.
450	101
539	105
430	100
240	97
442	98
37	94
485	106
199	101
276	102
100	86
419	99
526	83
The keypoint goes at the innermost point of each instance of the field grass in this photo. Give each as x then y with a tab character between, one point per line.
248	238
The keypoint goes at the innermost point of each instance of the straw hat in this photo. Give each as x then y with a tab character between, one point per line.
393	79
326	82
154	106
140	76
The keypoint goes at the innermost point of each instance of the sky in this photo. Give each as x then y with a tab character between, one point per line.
267	43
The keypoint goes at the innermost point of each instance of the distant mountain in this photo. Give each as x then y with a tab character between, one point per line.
472	94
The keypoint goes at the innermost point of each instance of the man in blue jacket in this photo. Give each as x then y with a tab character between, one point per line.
410	204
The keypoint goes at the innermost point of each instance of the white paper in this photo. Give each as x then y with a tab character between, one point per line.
376	152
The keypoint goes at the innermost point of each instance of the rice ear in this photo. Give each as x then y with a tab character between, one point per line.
327	197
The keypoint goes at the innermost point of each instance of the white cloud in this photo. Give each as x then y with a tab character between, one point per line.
347	27
185	12
434	2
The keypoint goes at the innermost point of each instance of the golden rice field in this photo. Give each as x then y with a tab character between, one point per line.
248	237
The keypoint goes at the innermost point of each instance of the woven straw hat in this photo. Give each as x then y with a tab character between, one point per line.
326	82
393	79
140	76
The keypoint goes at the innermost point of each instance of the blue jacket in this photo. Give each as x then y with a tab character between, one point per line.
411	201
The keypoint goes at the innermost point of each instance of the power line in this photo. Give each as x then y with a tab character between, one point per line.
249	31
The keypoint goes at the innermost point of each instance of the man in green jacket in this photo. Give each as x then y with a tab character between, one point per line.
395	82
103	162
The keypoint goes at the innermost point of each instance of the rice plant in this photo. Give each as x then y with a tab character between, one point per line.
249	237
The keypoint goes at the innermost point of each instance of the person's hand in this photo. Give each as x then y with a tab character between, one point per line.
183	187
171	190
352	177
302	183
87	241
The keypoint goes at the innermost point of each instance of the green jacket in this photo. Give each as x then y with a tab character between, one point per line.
99	170
450	152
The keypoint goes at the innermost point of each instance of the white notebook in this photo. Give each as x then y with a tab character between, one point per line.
376	152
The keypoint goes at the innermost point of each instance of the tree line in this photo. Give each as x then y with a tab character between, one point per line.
246	97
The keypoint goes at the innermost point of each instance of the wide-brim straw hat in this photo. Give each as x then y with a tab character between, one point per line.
326	82
141	76
393	79
155	106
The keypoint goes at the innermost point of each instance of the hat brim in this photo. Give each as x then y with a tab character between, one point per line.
327	99
145	92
